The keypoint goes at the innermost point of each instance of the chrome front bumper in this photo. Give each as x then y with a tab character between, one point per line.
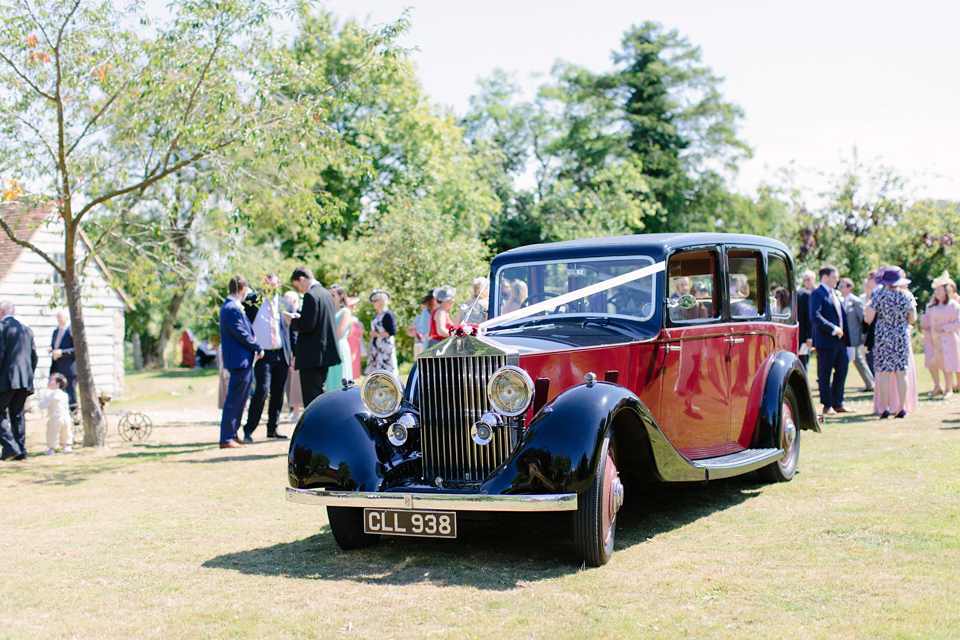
433	501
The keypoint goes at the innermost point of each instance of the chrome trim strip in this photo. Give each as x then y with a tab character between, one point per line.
433	501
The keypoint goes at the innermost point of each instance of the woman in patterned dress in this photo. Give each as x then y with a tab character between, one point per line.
893	309
382	354
941	335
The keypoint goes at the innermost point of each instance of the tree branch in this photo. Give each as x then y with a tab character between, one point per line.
20	74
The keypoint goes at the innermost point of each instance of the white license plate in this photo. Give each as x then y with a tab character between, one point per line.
405	522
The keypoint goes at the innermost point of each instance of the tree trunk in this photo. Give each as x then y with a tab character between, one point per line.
94	424
154	356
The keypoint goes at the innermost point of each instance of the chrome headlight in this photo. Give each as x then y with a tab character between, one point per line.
381	393
510	390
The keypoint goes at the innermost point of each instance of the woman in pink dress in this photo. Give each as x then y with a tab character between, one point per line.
941	336
357	350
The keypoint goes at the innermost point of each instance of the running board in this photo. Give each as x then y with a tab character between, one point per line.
671	465
734	464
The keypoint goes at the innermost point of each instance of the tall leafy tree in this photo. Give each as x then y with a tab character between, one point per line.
86	96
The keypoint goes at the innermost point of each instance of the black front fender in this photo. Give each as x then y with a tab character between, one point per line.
334	445
560	449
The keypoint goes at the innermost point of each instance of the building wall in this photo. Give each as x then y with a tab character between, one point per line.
31	285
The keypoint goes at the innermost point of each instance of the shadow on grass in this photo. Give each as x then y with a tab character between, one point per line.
246	457
494	552
209	372
150	451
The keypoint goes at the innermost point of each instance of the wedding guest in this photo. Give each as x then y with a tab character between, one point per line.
893	309
383	326
869	286
344	322
18	360
264	310
474	310
294	395
830	338
59	423
316	348
64	361
240	354
856	352
941	336
518	293
419	329
441	321
803	314
357	350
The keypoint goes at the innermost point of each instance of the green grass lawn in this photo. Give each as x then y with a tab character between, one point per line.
176	538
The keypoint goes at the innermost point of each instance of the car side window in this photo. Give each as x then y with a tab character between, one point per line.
780	291
743	283
693	294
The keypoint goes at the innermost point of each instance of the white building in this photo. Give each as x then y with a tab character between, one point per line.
36	290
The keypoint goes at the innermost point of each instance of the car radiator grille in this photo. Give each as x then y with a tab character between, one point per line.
453	396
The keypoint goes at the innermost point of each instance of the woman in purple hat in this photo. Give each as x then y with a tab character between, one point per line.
893	309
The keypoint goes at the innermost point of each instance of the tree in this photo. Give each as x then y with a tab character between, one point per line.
866	218
654	130
86	97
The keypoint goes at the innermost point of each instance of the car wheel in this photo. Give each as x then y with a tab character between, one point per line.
346	523
595	520
783	469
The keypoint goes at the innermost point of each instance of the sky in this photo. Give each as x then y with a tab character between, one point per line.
815	79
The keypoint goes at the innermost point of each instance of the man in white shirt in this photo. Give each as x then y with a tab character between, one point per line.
270	372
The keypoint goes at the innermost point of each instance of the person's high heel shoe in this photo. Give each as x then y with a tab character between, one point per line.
884	415
902	414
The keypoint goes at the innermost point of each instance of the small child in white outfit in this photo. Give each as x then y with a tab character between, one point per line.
59	423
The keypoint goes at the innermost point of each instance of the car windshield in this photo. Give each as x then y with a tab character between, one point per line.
523	285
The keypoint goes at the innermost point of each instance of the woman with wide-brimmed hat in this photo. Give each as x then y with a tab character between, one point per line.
941	335
893	309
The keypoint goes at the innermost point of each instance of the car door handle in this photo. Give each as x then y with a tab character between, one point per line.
673	347
734	340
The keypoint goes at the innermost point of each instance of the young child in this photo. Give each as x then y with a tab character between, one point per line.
59	423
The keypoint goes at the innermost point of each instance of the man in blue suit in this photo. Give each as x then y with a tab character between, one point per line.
830	339
240	352
64	361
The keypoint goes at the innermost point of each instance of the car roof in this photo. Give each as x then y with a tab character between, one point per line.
639	244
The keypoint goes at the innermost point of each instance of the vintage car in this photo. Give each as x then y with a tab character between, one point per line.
668	357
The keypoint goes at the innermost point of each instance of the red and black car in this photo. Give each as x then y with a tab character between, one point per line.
668	356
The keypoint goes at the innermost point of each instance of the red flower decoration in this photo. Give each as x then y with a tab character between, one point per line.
461	330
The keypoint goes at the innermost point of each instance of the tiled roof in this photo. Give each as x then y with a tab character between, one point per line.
23	219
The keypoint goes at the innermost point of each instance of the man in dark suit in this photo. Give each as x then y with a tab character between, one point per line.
803	314
856	352
270	373
831	339
64	362
18	360
240	352
316	348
